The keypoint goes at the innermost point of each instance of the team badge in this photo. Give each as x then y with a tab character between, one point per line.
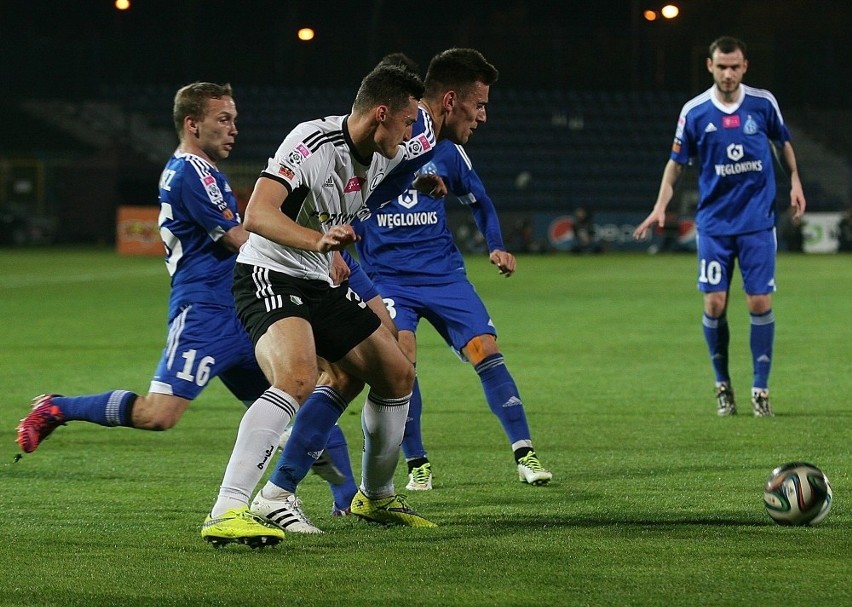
750	127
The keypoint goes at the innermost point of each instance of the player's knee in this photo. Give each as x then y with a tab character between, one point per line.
479	348
347	386
158	412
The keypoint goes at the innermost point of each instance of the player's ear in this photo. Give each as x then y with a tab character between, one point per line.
710	65
381	113
449	100
745	66
190	124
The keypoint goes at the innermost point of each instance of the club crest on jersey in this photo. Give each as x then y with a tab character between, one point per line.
750	127
353	185
376	180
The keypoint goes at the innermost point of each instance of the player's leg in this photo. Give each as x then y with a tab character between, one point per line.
203	341
286	355
402	306
459	315
276	319
419	466
314	431
757	264
390	375
716	257
504	400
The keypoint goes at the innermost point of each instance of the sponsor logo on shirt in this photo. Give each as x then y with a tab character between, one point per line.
735	153
731	122
710	128
286	172
330	219
676	145
353	185
404	220
681	123
408	200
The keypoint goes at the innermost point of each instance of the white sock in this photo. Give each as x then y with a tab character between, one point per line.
383	423
258	437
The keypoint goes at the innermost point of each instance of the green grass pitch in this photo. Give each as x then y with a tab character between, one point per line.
655	500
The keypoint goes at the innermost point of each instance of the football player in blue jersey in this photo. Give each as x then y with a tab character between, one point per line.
200	227
731	128
407	250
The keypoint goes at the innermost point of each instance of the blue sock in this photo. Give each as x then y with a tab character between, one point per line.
503	398
112	408
718	337
412	441
338	451
762	339
314	423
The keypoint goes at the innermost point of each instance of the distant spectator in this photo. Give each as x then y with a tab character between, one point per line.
584	233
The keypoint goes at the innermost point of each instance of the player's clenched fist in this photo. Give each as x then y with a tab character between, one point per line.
337	238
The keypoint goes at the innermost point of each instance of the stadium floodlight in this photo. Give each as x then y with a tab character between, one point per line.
670	11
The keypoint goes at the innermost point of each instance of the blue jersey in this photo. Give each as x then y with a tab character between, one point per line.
197	207
408	240
736	182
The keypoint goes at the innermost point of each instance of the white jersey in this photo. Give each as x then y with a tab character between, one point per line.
328	185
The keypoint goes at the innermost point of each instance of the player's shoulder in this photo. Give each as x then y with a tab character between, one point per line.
756	95
316	134
453	154
699	103
185	161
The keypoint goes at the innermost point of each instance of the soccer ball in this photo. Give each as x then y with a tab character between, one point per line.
797	493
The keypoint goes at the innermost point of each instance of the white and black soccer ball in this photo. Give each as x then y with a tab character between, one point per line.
797	493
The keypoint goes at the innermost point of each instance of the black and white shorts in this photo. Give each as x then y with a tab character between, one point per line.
263	296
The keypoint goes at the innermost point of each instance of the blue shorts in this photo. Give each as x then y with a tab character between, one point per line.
455	310
359	282
717	257
207	341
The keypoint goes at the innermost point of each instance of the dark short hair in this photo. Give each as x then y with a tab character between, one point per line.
727	44
390	85
191	100
402	60
458	68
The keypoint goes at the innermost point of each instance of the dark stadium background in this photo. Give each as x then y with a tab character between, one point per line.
558	60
